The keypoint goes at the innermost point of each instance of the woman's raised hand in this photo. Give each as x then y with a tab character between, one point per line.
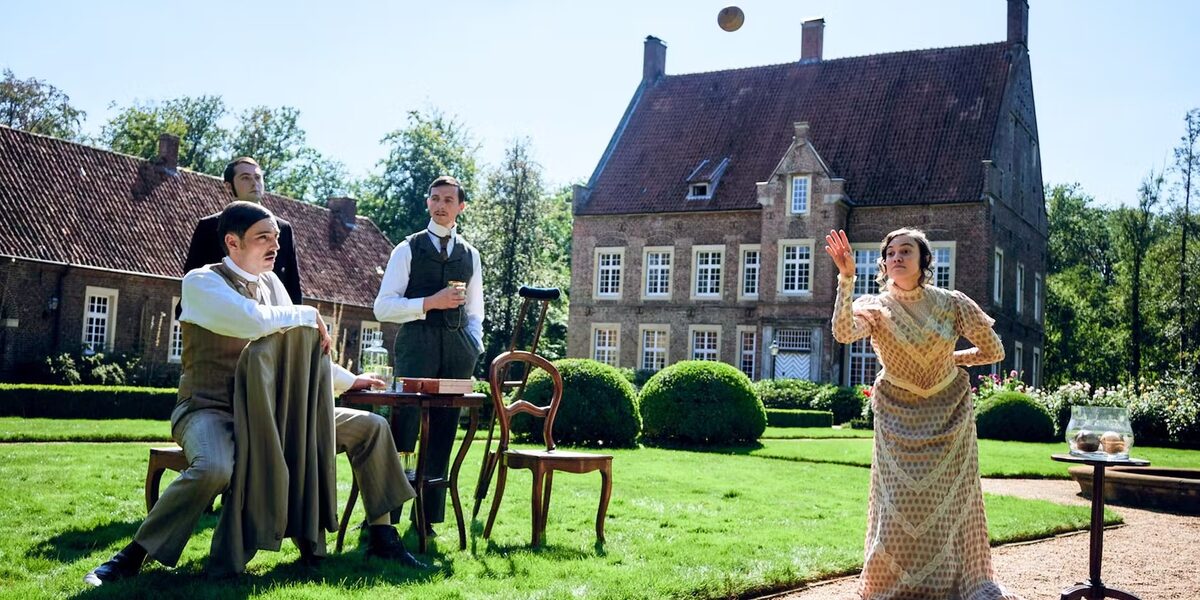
838	248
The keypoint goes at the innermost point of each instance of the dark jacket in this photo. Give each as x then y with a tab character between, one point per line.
208	248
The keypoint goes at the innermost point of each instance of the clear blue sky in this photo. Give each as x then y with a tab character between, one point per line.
1112	80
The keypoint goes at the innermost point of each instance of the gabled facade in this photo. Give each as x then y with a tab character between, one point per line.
943	139
92	245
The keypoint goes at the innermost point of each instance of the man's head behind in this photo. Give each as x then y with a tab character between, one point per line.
244	179
446	200
250	234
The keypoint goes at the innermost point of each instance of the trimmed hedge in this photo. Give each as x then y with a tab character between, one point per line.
794	417
787	393
845	403
701	402
599	406
86	401
1012	415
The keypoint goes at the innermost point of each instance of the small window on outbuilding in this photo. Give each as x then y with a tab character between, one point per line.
698	191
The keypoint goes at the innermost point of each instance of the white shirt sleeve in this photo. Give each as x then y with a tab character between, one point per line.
474	305
342	379
390	304
209	302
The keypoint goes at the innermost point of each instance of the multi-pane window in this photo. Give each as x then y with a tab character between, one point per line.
608	272
707	265
748	349
865	269
604	344
175	344
863	364
369	334
706	343
751	267
1037	297
943	264
654	349
998	276
796	268
1020	303
1019	358
1036	379
800	189
99	318
658	272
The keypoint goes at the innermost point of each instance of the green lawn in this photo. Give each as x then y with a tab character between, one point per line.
814	432
17	429
681	525
996	458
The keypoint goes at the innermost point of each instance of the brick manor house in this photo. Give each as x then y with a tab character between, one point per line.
700	234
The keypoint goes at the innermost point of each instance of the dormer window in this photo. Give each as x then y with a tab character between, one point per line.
703	180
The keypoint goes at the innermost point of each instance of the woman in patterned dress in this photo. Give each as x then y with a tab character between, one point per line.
926	529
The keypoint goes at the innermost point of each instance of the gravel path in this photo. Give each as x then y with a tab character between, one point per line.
1154	555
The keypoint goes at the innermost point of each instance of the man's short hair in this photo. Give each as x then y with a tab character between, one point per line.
238	216
450	180
235	162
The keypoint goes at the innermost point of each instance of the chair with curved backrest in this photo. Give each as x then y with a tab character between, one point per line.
542	463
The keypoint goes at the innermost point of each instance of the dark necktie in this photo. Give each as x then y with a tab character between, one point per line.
444	240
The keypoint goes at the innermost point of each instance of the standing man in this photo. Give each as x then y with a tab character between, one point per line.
226	306
243	181
442	324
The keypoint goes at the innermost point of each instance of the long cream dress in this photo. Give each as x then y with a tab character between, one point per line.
926	529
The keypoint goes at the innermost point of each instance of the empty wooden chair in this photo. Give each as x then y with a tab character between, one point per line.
542	463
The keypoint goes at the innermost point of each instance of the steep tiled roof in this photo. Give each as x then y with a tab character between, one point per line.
68	203
900	128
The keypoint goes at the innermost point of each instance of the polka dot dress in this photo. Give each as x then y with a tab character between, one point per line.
926	529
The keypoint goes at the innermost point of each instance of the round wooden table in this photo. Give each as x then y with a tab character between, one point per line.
1093	588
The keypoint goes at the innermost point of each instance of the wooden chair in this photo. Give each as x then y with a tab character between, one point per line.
162	459
542	463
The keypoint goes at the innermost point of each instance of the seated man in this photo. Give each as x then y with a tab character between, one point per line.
227	305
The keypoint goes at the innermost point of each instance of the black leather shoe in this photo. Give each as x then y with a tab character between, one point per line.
308	558
384	542
429	532
122	565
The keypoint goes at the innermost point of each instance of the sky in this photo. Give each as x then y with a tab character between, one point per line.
1112	80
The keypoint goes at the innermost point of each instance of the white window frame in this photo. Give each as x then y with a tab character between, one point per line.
110	316
851	354
806	180
693	330
864	283
176	333
365	327
953	248
1018	358
780	267
1038	287
662	328
669	251
619	251
719	249
1019	303
751	354
708	190
742	271
1036	376
616	349
998	276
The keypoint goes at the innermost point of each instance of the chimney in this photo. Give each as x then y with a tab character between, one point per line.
168	151
654	60
1018	22
800	131
341	218
812	40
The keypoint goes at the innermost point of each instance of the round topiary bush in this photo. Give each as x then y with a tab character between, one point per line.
599	406
787	393
1015	416
844	402
701	402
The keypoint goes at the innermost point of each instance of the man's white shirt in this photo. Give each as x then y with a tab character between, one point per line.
209	302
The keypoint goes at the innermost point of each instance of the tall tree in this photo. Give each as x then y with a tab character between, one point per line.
37	107
1136	229
196	120
1187	163
272	136
432	144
